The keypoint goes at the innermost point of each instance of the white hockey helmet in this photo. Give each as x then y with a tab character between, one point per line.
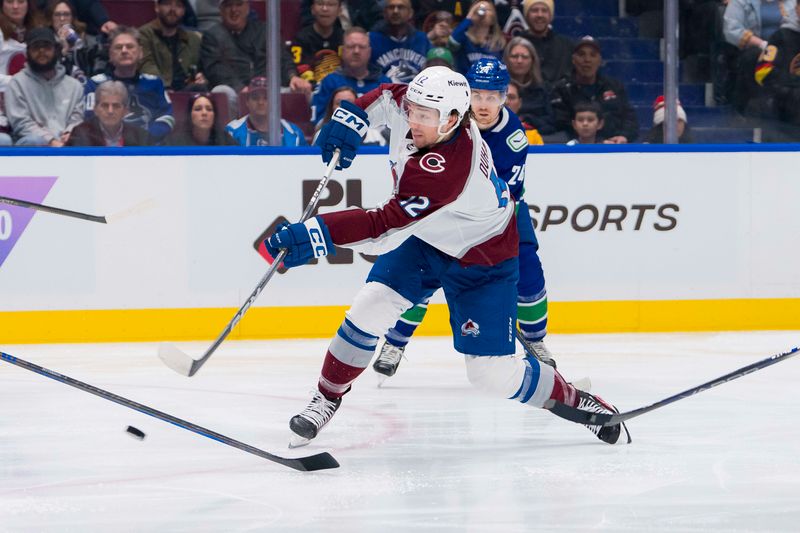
442	89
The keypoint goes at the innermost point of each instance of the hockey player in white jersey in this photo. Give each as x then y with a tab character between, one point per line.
502	131
450	217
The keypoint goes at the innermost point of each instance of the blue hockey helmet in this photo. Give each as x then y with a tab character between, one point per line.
489	74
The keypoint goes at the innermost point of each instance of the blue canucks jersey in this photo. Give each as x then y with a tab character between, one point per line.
509	146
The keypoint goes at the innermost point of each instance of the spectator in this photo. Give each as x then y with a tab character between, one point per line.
656	134
81	54
587	121
171	52
554	49
92	13
316	47
253	128
235	51
361	13
107	127
148	107
440	57
514	103
356	72
397	46
438	26
201	129
12	58
18	17
586	84
42	102
524	68
477	36
751	22
374	137
778	77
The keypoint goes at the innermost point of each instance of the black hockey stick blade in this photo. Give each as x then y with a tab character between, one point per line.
610	419
320	461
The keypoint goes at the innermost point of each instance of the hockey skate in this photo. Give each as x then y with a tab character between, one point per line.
312	419
538	350
387	362
609	434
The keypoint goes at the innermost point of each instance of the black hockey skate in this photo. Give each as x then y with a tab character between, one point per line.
388	360
538	350
312	419
609	434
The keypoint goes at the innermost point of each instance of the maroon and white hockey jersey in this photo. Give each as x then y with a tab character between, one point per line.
447	195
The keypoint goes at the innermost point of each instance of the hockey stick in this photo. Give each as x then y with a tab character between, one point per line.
76	214
182	363
608	419
320	461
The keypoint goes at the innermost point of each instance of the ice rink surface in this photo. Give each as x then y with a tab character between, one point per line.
423	453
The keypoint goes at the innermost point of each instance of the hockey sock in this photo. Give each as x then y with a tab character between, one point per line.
532	315
404	329
348	355
542	382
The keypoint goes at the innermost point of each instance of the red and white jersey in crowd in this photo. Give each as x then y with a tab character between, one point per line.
447	195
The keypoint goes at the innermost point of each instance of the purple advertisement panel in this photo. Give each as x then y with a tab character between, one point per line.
13	219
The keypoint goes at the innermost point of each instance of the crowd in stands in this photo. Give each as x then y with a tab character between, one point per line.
194	74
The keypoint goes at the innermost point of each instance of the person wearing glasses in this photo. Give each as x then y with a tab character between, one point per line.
355	72
525	69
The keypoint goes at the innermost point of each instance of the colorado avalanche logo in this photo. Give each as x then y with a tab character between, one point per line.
470	328
432	162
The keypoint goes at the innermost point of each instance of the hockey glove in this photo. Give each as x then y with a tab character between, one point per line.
347	127
302	241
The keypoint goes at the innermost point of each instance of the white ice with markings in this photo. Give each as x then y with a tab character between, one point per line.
424	453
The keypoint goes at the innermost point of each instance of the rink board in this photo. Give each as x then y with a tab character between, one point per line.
630	241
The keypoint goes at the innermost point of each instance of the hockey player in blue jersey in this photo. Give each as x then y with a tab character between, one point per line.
501	129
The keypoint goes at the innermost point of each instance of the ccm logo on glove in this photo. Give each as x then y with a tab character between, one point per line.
343	116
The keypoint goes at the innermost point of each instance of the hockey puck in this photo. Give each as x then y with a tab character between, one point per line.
135	433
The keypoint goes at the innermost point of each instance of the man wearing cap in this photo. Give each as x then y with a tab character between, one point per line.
253	128
234	51
439	57
356	72
554	49
586	84
43	103
171	52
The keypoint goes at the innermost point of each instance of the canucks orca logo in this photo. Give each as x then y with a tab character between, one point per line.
470	327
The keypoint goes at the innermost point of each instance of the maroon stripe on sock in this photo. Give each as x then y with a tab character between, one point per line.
338	374
564	392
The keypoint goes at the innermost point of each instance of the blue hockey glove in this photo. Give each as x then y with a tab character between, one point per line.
347	127
303	242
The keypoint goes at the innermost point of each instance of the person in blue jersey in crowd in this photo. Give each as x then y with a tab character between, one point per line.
397	46
148	108
253	128
503	132
478	36
356	71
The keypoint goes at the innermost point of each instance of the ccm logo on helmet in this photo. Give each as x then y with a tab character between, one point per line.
432	162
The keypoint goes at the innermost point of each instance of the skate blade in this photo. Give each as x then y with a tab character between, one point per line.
381	380
584	384
296	441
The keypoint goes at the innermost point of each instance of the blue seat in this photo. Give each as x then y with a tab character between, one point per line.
597	27
690	94
629	48
574	8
